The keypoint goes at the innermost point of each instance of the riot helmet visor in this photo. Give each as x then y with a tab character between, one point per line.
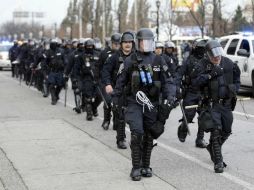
215	52
147	45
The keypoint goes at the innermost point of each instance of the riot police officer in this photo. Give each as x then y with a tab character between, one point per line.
107	52
170	51
144	77
219	80
85	76
13	55
109	76
191	94
55	63
74	58
159	47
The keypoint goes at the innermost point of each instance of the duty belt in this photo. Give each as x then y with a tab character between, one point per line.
222	101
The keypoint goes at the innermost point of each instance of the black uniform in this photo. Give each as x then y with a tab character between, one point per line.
142	118
13	55
191	96
54	67
109	76
86	74
219	85
106	53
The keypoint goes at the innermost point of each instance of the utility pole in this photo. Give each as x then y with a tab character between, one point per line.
158	3
103	22
135	17
55	29
80	20
171	20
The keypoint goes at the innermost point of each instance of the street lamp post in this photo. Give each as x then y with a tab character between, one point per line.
158	3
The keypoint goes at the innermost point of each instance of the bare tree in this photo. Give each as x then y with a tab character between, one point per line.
200	14
142	14
11	28
122	15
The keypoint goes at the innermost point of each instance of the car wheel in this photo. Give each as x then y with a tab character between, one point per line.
1	68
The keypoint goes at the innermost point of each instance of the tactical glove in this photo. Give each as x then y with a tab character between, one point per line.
216	72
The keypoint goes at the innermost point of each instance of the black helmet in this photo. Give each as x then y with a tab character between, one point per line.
199	43
159	44
145	34
213	48
53	43
127	37
115	38
170	44
198	48
81	42
90	42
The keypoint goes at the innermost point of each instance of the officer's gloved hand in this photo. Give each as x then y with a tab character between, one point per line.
179	93
165	109
216	72
115	101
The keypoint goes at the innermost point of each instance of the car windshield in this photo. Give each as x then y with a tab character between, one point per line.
4	48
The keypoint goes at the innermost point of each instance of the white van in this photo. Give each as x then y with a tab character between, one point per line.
239	48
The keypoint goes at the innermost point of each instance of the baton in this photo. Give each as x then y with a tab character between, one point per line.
100	92
191	107
65	93
184	117
103	98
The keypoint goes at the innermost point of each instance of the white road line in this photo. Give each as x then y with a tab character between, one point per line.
243	114
230	177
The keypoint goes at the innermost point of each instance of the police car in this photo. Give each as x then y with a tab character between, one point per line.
239	48
4	55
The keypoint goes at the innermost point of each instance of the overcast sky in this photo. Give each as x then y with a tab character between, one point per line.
55	10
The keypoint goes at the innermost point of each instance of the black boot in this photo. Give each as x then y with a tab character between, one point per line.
58	90
95	105
45	89
120	135
95	112
200	142
209	149
182	132
216	148
136	156
89	111
107	117
52	90
146	156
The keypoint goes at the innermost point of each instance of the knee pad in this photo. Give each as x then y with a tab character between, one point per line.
215	135
136	139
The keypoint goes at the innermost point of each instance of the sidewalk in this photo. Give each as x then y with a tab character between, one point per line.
41	150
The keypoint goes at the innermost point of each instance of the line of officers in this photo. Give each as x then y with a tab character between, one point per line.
140	82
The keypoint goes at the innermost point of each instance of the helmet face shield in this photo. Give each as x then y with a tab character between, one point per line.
215	52
147	45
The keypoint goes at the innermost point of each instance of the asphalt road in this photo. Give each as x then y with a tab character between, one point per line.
181	165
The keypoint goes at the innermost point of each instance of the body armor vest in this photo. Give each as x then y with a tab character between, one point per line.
145	77
56	61
221	87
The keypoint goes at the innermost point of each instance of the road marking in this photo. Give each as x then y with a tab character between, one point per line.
243	114
230	177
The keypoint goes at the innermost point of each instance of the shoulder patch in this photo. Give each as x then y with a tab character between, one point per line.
165	68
